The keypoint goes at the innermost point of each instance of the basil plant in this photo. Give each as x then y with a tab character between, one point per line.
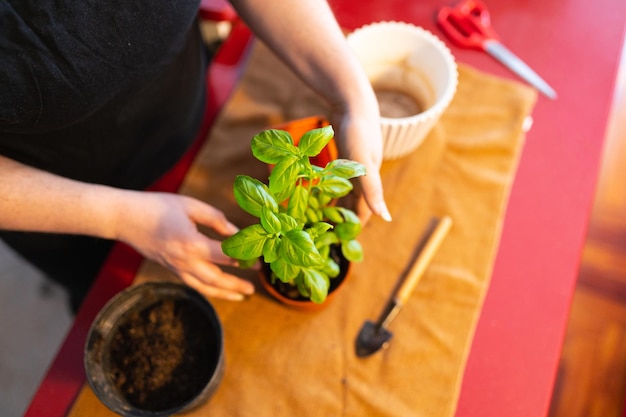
298	219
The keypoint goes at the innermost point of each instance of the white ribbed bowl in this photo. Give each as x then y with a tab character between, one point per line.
427	66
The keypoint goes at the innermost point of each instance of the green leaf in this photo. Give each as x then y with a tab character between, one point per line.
271	249
318	229
345	168
313	201
252	195
247	263
312	216
334	186
287	222
298	248
317	284
284	174
246	244
331	268
313	141
302	289
270	221
284	194
352	250
325	199
271	146
347	231
323	250
333	214
349	215
327	239
284	270
298	202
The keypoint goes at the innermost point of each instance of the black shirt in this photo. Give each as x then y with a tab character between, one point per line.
100	92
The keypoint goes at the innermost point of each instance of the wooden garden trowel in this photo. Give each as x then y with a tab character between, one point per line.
374	336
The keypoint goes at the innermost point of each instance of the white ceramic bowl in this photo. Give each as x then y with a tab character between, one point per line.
404	59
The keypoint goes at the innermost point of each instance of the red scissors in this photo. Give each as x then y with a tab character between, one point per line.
468	25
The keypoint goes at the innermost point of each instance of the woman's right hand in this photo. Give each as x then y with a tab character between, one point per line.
163	227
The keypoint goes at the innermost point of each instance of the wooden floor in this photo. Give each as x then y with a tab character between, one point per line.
592	375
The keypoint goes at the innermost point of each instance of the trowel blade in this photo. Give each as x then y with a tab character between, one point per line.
371	338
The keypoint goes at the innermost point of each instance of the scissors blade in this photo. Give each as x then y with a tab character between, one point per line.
511	61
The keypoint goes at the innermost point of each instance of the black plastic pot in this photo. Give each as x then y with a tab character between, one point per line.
155	349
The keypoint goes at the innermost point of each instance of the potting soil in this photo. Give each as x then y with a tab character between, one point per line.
163	356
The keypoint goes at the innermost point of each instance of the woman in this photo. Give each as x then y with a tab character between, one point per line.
100	101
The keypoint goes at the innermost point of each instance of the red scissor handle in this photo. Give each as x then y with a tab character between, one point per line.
467	24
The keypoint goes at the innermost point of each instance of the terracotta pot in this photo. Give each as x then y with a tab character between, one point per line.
155	349
301	303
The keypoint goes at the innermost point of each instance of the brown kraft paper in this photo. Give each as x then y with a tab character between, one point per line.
281	362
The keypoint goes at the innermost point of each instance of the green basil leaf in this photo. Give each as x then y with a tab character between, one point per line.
271	146
352	250
298	248
333	214
327	239
302	289
347	231
284	174
247	263
284	194
334	186
323	250
318	229
252	195
298	202
287	222
312	216
245	244
317	284
349	215
271	249
313	141
270	221
345	168
313	201
331	268
284	270
325	199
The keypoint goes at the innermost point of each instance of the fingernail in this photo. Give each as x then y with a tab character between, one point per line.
383	212
249	290
236	297
232	228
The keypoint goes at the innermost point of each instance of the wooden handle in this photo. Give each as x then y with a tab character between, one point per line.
423	259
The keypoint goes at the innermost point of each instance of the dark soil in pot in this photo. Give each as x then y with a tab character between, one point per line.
158	355
155	349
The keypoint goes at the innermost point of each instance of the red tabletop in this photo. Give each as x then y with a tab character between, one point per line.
575	46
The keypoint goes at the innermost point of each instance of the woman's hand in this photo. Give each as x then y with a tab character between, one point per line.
163	227
360	139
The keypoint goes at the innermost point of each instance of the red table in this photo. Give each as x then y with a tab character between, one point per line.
575	45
